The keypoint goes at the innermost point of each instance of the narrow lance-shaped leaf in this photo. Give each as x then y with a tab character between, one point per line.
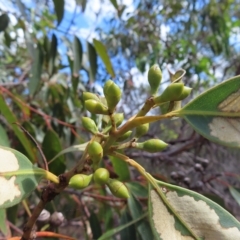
102	52
52	54
36	70
3	222
206	219
215	114
18	177
59	9
51	146
11	118
235	194
92	56
4	21
77	53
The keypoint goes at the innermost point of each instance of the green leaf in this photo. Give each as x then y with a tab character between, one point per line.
205	218
82	3
52	54
80	147
3	222
136	211
114	3
95	226
11	118
59	9
102	52
215	114
126	229
18	177
4	140
92	56
235	193
77	56
51	146
137	189
36	70
4	21
120	168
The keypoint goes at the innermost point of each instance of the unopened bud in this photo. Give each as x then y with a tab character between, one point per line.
89	95
152	145
95	107
124	137
101	176
80	181
112	94
95	151
117	188
154	78
171	93
141	130
89	125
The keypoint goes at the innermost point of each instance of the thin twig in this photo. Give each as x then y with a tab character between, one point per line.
37	145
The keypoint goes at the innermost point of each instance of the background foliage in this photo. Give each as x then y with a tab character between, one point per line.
48	59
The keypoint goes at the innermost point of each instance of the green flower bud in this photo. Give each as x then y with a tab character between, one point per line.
95	151
118	118
171	93
89	95
112	94
154	78
89	125
124	136
141	130
101	176
152	145
80	181
185	93
95	107
117	188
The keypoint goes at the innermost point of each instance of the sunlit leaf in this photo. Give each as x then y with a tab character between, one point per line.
51	146
59	9
77	53
4	21
206	219
137	189
11	118
18	177
36	70
92	56
215	114
102	52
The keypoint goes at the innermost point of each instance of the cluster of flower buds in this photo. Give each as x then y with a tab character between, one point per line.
100	176
110	121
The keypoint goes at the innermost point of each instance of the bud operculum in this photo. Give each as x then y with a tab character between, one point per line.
117	188
101	176
141	130
95	107
154	78
95	151
152	145
112	94
89	125
80	181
